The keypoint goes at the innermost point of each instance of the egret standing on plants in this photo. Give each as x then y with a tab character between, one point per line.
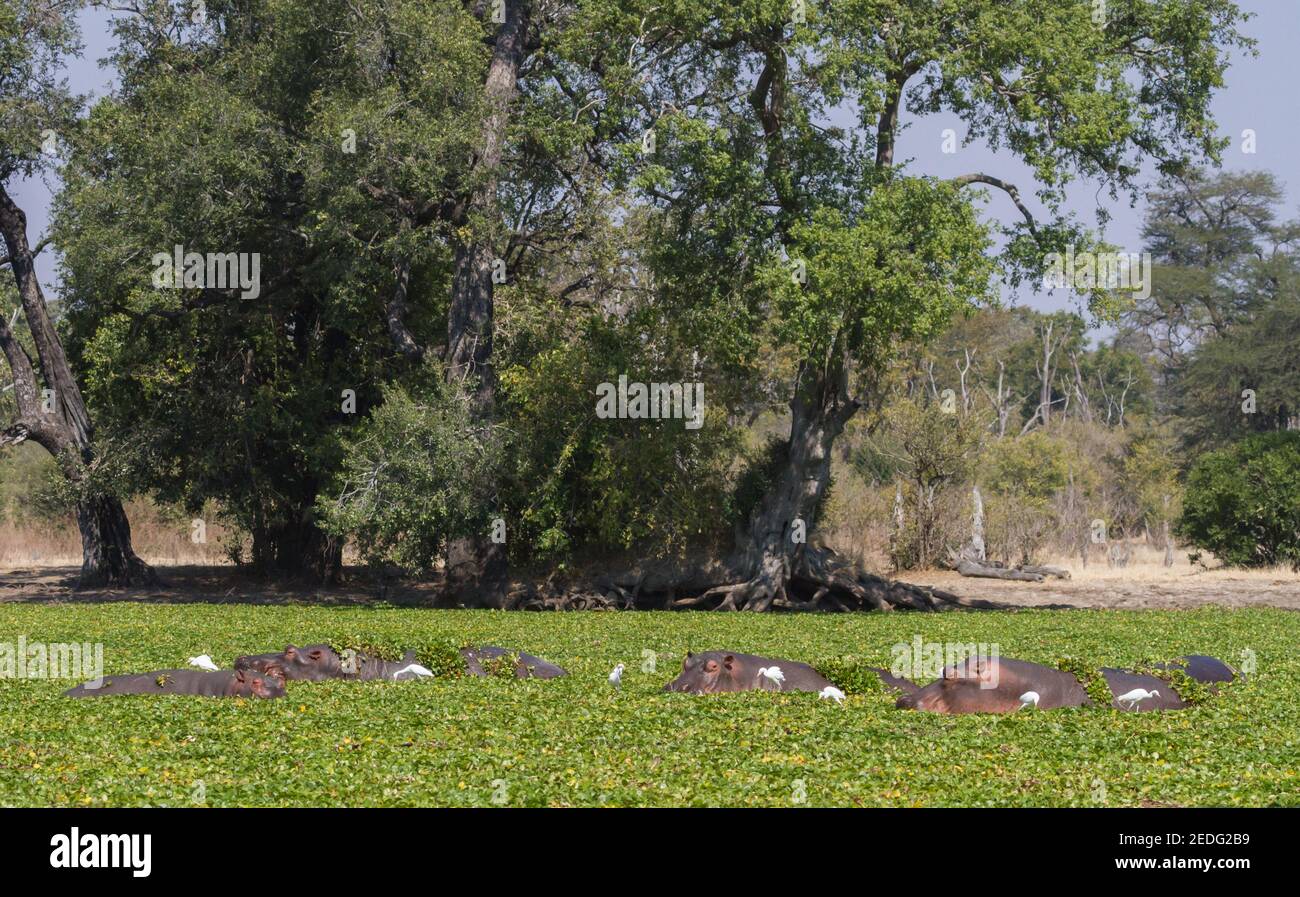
1136	696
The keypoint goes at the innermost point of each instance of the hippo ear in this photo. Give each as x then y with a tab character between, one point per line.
239	675
728	661
290	651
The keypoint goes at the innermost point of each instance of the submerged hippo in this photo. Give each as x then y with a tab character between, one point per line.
219	684
1202	668
724	671
994	685
312	663
997	684
897	683
527	666
316	663
1123	682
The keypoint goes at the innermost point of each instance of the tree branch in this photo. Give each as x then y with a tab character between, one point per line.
1005	186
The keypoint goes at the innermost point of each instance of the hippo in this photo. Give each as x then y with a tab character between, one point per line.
1202	668
897	683
313	663
725	671
1122	682
994	685
316	663
527	667
218	684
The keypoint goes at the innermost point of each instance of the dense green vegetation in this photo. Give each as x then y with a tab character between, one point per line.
1243	502
575	741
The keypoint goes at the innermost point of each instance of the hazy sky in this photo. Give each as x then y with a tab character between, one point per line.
1262	93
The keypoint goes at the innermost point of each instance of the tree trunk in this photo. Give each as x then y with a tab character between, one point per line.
820	409
977	550
772	566
107	558
64	430
476	567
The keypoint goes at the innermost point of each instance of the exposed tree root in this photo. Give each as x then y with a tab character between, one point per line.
813	579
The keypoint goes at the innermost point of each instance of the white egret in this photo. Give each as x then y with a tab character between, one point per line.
616	677
1028	698
773	675
1135	697
204	662
412	671
833	694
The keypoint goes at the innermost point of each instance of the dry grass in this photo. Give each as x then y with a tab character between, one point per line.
159	539
1147	565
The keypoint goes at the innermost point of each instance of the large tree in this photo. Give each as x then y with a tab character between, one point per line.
390	162
331	140
1218	248
36	111
783	192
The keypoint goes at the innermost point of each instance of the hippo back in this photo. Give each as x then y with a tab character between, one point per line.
711	672
528	666
995	685
1122	682
1204	668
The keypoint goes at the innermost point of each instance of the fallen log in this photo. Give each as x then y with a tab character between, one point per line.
1058	572
968	567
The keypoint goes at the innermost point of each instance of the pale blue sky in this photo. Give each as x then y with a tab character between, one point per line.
1262	93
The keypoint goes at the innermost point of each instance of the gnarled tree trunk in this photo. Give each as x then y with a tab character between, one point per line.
60	422
772	551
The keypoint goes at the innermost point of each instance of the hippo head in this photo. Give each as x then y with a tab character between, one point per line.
970	686
712	671
312	663
256	684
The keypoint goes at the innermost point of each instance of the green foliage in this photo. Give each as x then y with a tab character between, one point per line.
1023	478
24	472
895	272
418	473
931	450
1257	355
440	655
575	741
502	666
852	674
1243	502
236	139
1032	468
35	43
1149	475
580	482
1090	677
1173	672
